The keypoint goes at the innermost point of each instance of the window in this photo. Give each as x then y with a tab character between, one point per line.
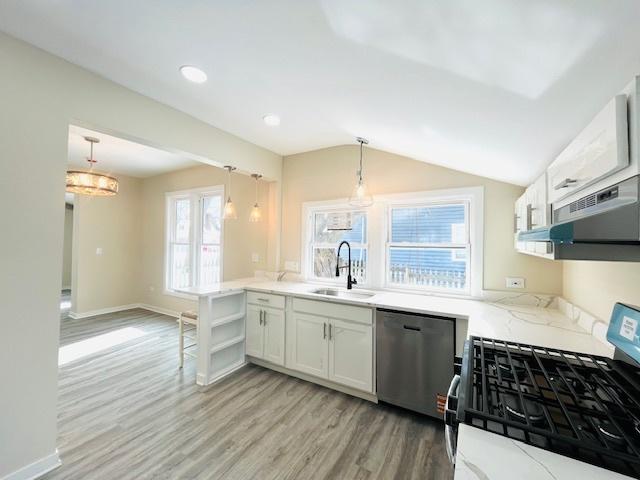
428	246
194	238
425	241
324	244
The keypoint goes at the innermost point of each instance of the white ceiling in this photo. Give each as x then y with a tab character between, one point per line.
496	87
117	155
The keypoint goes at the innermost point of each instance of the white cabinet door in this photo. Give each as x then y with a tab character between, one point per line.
254	340
309	345
601	149
273	326
536	199
351	354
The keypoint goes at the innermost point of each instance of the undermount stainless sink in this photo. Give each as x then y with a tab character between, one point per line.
334	292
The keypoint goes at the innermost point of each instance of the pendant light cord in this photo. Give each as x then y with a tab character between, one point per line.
360	171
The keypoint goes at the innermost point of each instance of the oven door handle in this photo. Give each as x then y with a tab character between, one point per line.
449	419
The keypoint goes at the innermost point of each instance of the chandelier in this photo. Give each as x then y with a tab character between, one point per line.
90	182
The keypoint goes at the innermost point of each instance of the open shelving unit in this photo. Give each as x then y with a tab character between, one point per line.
221	336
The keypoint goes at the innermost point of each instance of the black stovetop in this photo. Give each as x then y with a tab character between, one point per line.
582	406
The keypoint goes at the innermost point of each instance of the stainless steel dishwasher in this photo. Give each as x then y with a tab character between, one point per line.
415	356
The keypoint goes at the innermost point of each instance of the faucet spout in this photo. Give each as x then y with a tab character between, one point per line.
350	280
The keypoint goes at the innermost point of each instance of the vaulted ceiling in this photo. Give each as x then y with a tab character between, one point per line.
495	88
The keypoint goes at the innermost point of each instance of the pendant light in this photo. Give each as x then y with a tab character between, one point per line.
256	214
360	196
90	182
229	208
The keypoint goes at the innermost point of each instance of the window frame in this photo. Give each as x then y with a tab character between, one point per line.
310	209
196	197
466	246
378	218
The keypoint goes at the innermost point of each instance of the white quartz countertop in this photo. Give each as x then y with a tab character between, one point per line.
500	320
487	456
481	455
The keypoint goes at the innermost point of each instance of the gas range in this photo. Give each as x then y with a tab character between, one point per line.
578	405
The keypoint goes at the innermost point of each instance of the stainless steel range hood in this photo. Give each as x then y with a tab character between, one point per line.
602	226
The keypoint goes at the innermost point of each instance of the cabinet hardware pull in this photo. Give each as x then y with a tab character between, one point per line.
264	318
565	183
264	300
324	330
260	321
329	331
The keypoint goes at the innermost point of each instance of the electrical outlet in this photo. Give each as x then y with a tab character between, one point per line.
255	258
152	288
515	282
99	251
291	266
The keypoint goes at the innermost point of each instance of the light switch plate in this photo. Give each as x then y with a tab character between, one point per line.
255	258
515	282
99	251
291	266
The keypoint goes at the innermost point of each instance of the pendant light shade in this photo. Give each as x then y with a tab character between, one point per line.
360	197
229	212
90	182
256	213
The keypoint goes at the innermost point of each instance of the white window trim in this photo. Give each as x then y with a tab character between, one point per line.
377	229
194	226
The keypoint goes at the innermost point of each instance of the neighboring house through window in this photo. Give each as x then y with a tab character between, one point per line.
194	225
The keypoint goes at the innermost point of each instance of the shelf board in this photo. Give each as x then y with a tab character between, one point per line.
219	375
227	344
228	319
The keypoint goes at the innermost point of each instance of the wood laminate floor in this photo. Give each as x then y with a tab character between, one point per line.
127	412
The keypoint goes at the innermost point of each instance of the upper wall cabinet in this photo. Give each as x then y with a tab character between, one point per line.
532	211
600	150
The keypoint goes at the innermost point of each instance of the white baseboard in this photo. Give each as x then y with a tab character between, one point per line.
120	308
102	311
36	469
163	311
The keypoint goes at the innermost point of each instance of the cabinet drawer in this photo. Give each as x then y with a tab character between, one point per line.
334	310
266	299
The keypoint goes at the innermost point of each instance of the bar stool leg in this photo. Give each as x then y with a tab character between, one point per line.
181	340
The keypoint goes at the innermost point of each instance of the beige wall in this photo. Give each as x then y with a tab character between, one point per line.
66	249
40	96
330	174
596	286
112	224
241	237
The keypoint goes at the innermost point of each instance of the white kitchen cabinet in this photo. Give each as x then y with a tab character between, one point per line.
309	344
273	328
351	354
520	214
333	341
255	332
265	331
600	150
536	208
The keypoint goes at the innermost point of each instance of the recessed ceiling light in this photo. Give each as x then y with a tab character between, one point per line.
271	120
193	74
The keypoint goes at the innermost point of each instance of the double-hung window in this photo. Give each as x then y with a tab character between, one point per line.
194	224
324	242
428	246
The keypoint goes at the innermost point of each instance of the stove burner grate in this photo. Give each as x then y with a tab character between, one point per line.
583	406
